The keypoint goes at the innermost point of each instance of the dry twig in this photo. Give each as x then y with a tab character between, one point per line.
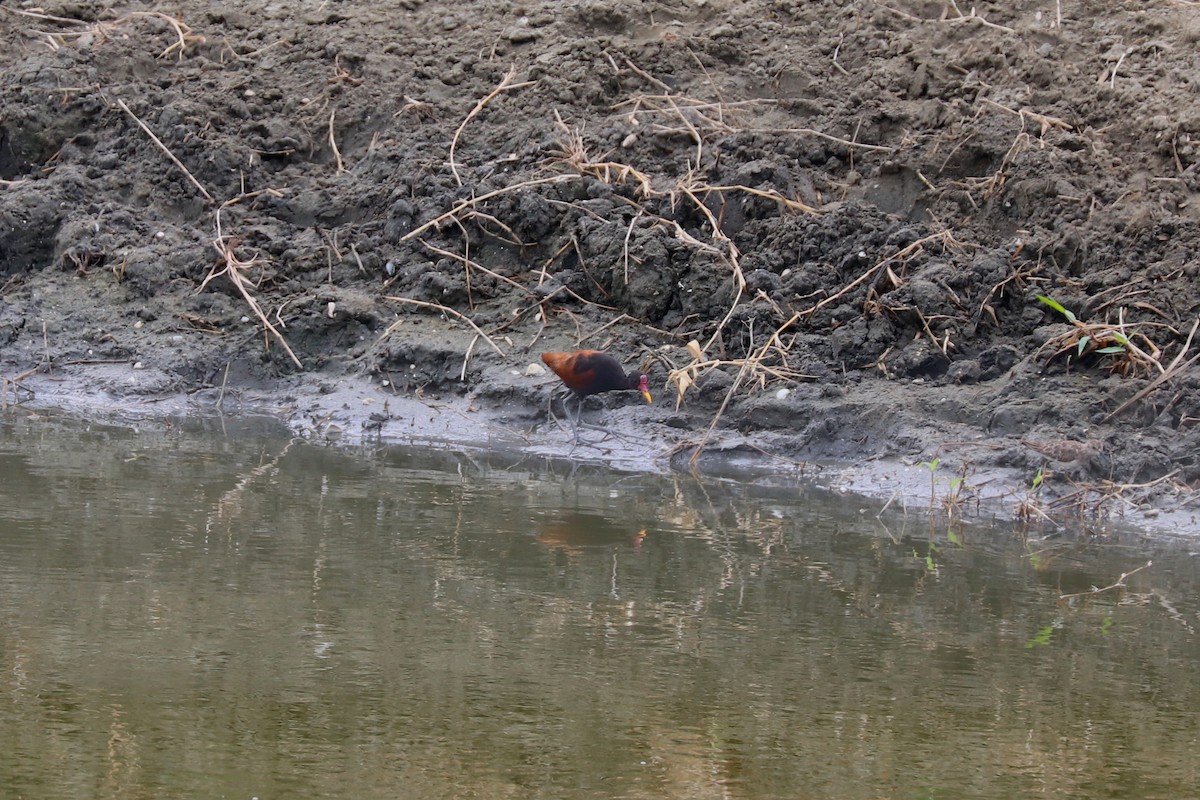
944	237
166	151
506	85
463	205
1177	366
184	36
337	154
438	307
468	264
947	19
234	268
1044	121
1119	583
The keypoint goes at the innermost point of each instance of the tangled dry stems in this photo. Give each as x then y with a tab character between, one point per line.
667	113
231	266
1120	341
184	37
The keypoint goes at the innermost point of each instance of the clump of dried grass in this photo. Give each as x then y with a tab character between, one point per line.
235	268
1130	349
184	36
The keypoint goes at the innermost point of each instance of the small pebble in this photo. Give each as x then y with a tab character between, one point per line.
138	365
331	309
783	394
534	371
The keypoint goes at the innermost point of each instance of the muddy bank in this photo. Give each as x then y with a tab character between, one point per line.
356	215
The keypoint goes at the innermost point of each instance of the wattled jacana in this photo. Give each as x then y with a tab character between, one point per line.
588	372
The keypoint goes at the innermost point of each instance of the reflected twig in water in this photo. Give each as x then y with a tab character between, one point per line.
903	506
1119	583
230	501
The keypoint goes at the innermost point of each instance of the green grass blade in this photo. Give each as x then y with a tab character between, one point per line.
1057	306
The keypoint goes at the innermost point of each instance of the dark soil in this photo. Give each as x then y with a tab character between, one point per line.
866	198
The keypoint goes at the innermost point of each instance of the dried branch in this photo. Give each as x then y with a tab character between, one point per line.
473	201
506	85
438	307
1177	366
337	154
943	236
167	152
1119	583
234	267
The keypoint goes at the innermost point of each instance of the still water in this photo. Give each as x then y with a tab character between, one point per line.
229	613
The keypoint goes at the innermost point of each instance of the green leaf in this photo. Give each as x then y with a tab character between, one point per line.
953	537
1037	479
1041	638
1110	351
1057	306
1082	345
929	565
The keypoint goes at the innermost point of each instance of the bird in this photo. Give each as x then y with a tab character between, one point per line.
588	372
1090	457
1066	451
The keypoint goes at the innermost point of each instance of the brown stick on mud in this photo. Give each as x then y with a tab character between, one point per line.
468	264
444	310
1177	365
944	236
233	270
337	154
732	255
695	459
471	201
167	152
506	85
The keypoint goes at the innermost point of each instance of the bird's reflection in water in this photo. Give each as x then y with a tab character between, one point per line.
576	532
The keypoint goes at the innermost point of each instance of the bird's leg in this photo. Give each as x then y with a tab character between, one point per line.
566	413
572	421
578	414
579	423
550	410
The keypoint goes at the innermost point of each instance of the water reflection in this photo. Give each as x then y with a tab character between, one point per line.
230	613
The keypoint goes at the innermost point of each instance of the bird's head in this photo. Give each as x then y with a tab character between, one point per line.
643	386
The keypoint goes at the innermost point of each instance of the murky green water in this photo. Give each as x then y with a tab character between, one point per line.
227	614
